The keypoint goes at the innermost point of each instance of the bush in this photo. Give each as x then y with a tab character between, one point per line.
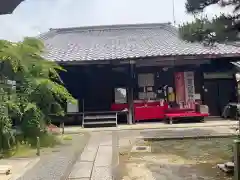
36	91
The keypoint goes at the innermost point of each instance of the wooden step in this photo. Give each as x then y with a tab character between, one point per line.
100	117
99	122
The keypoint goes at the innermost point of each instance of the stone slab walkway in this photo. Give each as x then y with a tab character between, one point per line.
95	163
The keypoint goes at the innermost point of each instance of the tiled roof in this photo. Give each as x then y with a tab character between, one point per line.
122	42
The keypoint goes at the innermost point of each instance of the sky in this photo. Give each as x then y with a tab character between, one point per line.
33	17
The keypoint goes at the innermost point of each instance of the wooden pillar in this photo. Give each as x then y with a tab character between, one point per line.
130	93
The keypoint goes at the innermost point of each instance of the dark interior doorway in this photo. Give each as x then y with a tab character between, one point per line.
218	93
97	89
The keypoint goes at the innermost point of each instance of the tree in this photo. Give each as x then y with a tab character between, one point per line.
223	28
39	90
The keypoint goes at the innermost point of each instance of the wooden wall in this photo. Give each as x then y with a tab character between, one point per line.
95	84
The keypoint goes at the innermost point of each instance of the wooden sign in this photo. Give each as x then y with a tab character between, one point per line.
189	86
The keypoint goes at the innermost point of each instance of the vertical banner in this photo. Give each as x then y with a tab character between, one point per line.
189	89
180	87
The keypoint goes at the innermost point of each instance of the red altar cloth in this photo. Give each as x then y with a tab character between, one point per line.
186	114
144	111
149	113
153	110
119	107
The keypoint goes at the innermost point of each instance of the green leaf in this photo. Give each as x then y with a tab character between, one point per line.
39	88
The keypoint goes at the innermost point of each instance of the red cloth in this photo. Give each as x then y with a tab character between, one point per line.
148	113
186	114
178	110
120	107
152	110
144	111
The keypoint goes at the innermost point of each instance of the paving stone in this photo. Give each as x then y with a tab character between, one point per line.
88	155
101	173
81	170
106	143
91	147
90	151
106	140
95	139
104	156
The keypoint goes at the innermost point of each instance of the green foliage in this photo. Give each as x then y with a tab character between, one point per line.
195	6
26	147
7	139
223	28
39	91
46	140
208	31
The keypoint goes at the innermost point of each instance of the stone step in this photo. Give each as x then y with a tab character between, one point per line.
224	168
93	117
229	165
5	169
99	122
100	119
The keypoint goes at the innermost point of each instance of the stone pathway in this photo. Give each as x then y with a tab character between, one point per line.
56	165
96	162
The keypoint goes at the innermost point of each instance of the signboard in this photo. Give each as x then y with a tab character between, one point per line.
189	86
145	80
180	87
72	108
226	75
185	89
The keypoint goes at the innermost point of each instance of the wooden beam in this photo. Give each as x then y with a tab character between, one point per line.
171	63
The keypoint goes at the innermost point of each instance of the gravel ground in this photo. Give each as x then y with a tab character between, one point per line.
188	132
178	160
168	164
57	165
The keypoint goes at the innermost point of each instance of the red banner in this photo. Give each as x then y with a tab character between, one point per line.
180	87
